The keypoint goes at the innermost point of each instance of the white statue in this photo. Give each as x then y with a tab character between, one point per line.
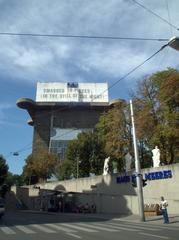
156	157
128	161
106	166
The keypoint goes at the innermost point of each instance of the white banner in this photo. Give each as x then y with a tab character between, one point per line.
72	92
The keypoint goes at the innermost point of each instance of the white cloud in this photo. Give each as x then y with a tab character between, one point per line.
32	58
62	59
27	59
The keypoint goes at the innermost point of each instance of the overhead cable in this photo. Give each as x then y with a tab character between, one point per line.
80	36
134	69
169	17
155	14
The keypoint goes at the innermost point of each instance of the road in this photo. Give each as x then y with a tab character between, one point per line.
23	225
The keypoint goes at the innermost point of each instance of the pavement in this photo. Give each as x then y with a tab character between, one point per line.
157	220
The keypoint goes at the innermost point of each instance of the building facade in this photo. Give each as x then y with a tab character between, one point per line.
62	110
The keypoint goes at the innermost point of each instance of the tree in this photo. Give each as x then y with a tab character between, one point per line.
14	179
157	113
40	166
3	170
86	154
114	130
3	175
64	170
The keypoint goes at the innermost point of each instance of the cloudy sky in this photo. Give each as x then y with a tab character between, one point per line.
24	60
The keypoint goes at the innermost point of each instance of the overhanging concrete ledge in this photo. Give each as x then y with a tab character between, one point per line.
25	103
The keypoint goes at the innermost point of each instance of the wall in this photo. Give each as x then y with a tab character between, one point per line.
169	188
63	117
112	197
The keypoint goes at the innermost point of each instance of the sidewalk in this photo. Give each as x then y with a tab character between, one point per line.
157	220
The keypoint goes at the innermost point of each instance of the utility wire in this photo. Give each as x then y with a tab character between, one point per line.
80	36
26	146
155	14
134	69
169	17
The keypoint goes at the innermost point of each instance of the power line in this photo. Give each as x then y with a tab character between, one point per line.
80	36
134	69
25	148
155	14
169	17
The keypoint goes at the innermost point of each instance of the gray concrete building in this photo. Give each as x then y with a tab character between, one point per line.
61	111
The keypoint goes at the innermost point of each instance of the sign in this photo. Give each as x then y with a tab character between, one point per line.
158	175
147	176
72	92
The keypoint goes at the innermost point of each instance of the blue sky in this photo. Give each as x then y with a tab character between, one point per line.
26	60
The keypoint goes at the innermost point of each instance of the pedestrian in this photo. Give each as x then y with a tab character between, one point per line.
163	208
93	208
60	206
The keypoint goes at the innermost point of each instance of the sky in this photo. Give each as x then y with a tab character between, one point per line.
24	60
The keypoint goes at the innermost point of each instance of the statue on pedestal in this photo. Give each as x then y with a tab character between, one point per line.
128	162
156	157
106	166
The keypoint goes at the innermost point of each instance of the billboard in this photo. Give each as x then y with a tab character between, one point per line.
72	92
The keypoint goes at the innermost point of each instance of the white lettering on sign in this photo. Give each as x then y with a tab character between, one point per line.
72	92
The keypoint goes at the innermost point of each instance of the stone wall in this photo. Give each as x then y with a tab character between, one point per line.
115	193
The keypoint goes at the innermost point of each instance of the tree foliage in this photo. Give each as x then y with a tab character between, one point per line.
114	130
85	155
40	166
3	170
3	175
111	137
64	170
14	179
157	113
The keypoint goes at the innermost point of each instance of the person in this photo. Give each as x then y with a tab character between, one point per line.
163	208
93	208
156	157
86	208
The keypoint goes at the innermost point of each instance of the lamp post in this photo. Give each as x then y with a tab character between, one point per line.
137	169
77	167
173	43
77	170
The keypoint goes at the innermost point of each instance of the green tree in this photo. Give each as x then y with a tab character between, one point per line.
14	179
157	113
64	170
3	176
114	130
3	170
86	154
40	166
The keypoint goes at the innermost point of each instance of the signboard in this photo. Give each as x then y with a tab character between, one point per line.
147	176
72	92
